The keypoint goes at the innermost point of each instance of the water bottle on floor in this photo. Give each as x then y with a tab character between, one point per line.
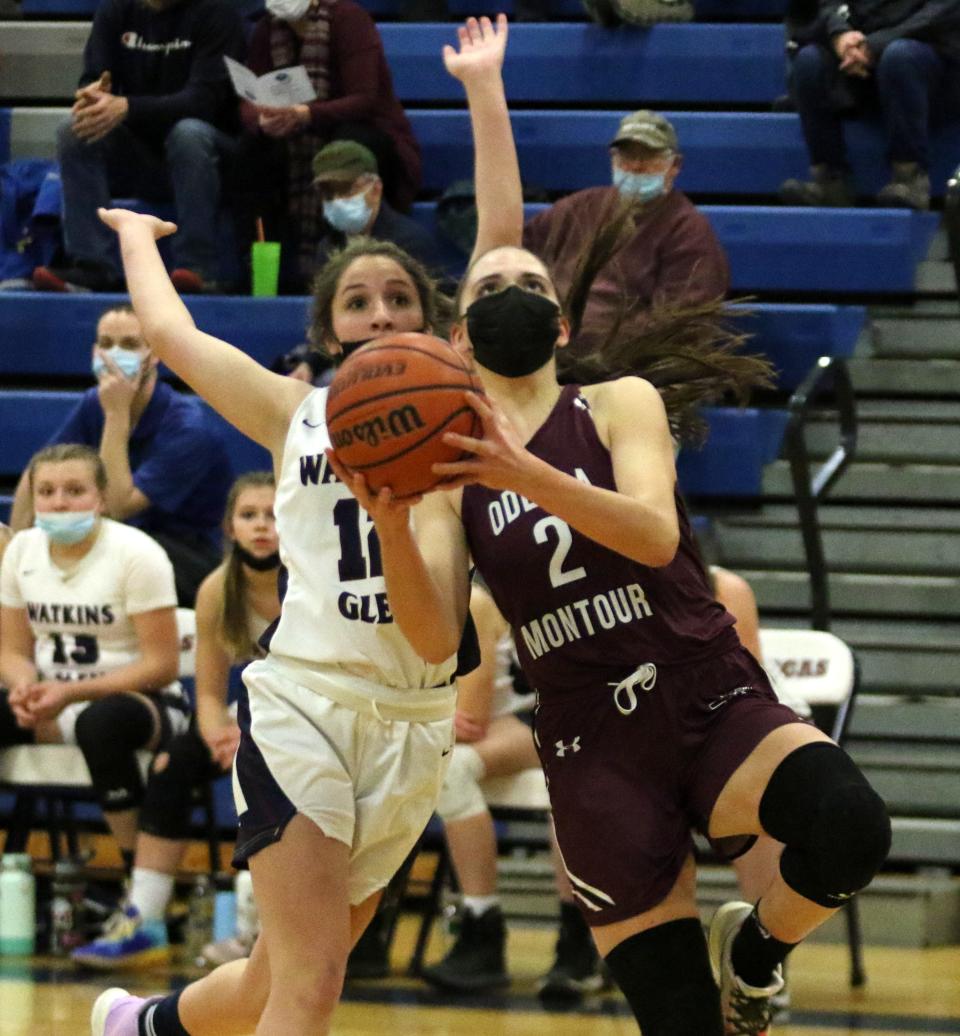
199	919
67	908
18	905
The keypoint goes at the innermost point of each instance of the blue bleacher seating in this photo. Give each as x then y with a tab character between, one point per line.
29	417
740	442
724	152
779	249
731	462
60	331
6	502
739	64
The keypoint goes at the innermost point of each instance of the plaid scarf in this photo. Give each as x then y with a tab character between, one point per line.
304	207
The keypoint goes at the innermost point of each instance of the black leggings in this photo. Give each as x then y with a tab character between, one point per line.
10	733
110	731
184	763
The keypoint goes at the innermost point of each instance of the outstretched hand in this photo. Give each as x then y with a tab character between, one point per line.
482	46
117	219
499	460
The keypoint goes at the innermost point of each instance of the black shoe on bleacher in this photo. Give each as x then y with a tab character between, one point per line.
80	277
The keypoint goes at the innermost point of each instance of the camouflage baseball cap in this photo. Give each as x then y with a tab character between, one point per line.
342	161
647	128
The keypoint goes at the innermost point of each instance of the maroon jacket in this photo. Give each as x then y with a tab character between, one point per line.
673	256
361	87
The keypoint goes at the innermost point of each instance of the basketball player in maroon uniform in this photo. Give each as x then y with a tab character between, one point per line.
652	719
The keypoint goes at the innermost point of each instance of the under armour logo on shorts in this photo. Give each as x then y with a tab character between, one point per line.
562	749
729	696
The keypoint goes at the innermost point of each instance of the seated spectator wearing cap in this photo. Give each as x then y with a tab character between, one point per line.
673	255
340	47
902	56
154	110
345	173
167	473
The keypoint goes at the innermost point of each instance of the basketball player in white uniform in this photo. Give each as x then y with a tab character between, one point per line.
346	739
89	638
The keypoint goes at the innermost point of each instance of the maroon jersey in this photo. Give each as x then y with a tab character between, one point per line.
579	611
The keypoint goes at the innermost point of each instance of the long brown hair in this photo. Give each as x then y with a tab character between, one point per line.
435	305
690	351
233	619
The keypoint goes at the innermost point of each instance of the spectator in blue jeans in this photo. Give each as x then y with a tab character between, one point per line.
154	116
902	56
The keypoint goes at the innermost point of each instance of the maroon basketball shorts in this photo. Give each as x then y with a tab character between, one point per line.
634	768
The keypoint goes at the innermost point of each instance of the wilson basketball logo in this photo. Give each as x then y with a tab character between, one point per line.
404	420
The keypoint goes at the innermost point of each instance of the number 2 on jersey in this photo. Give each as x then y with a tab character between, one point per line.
558	577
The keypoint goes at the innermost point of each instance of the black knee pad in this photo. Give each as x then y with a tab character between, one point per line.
109	732
665	975
835	826
178	768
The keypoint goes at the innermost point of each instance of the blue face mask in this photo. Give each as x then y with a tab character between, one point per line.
641	186
348	215
127	361
66	527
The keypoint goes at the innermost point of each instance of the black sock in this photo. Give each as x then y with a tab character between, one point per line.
664	972
162	1018
127	855
756	953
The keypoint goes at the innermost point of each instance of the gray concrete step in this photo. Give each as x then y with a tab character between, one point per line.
898	483
912	378
934	596
906	542
911	335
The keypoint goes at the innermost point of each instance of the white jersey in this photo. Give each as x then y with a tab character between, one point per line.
80	615
335	625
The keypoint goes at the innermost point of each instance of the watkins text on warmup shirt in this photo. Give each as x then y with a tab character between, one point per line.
168	64
577	609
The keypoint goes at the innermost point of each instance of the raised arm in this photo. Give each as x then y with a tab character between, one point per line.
478	65
257	402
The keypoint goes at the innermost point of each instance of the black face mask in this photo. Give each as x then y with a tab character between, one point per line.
257	564
349	347
513	332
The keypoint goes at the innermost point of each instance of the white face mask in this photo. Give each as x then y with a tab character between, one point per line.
288	10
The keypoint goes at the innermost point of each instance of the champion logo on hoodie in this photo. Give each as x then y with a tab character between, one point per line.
134	41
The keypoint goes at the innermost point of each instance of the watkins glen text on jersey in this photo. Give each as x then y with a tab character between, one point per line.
70	614
585	617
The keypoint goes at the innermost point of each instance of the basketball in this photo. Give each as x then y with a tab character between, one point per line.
390	404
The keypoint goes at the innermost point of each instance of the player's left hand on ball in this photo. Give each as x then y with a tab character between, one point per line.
381	505
498	460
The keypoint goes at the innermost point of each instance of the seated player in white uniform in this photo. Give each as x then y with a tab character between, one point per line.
89	651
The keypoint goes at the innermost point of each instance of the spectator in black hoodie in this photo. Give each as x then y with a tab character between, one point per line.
154	111
903	55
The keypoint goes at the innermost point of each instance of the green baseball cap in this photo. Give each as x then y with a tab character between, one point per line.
647	128
342	161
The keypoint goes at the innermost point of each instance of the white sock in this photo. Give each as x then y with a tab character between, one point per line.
150	892
479	905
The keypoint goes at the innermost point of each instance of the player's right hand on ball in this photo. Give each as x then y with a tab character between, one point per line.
382	506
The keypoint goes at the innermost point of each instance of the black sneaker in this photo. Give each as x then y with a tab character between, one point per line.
81	277
476	961
577	967
909	188
827	187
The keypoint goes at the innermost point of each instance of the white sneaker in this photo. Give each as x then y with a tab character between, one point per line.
746	1009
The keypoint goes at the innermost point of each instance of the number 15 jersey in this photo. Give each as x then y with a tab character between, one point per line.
580	612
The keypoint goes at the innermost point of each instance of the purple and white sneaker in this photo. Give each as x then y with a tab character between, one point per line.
115	1013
